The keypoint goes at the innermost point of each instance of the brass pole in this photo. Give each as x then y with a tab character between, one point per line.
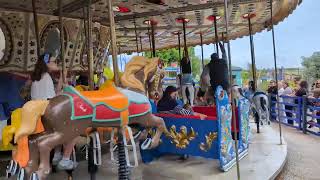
140	38
216	33
253	59
62	42
275	67
179	45
150	43
226	15
113	44
36	27
135	31
185	38
153	40
201	42
89	46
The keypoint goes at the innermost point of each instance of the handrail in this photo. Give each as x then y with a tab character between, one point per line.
303	112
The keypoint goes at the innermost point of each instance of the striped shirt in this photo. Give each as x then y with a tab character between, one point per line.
180	110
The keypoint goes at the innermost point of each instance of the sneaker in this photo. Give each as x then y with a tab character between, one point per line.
56	158
311	124
65	164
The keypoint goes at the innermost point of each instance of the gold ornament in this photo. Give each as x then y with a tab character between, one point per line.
209	140
181	139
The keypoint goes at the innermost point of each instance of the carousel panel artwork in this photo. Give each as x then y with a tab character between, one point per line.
227	156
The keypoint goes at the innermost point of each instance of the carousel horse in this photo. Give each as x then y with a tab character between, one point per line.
69	115
259	105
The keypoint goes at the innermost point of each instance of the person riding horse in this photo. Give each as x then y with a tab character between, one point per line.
215	73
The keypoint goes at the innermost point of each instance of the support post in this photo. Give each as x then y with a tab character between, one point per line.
304	114
135	32
140	38
216	33
89	45
113	43
153	40
226	15
179	46
275	67
150	43
62	42
201	42
184	38
36	27
253	59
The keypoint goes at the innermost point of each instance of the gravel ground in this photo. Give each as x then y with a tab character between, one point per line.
303	155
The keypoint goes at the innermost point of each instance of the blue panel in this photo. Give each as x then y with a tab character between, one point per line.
200	127
227	150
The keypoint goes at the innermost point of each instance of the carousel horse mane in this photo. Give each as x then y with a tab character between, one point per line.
32	112
136	64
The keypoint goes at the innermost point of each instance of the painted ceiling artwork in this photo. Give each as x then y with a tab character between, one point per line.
133	18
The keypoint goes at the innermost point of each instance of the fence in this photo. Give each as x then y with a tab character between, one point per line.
302	113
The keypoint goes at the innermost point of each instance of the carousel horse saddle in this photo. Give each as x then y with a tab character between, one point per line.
107	105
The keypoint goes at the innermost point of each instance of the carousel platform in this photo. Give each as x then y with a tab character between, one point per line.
265	161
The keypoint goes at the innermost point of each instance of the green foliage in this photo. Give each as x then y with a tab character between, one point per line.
171	55
245	76
312	66
263	85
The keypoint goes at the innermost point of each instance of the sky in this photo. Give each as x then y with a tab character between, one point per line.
296	36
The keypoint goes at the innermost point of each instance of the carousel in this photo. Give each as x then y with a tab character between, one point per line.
81	35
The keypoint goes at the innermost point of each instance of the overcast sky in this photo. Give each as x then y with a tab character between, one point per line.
296	36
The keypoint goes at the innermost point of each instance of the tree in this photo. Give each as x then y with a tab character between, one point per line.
311	66
171	55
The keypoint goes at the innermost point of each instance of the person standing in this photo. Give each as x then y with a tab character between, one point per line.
187	81
219	70
287	100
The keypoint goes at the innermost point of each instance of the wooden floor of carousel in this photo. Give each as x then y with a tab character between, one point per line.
265	160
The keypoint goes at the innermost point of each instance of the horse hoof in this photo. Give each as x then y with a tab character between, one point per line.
34	176
21	174
146	144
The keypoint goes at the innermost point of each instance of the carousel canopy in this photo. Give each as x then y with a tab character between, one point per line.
134	17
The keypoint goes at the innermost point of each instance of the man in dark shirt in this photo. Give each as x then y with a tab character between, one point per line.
219	70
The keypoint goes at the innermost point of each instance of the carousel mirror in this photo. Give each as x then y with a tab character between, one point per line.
50	40
2	44
5	44
52	45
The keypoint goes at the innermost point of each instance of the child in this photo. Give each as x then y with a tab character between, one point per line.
188	107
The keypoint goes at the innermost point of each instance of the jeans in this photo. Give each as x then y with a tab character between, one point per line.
191	94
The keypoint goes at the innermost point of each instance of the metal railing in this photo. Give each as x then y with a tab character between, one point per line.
302	113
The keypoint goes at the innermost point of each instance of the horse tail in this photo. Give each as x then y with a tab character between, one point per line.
263	103
31	112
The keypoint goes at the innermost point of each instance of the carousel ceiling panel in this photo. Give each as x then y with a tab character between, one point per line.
130	16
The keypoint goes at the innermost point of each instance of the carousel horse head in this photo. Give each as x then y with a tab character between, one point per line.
237	92
144	75
205	87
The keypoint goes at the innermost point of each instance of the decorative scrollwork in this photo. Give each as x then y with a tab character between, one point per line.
209	140
181	139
